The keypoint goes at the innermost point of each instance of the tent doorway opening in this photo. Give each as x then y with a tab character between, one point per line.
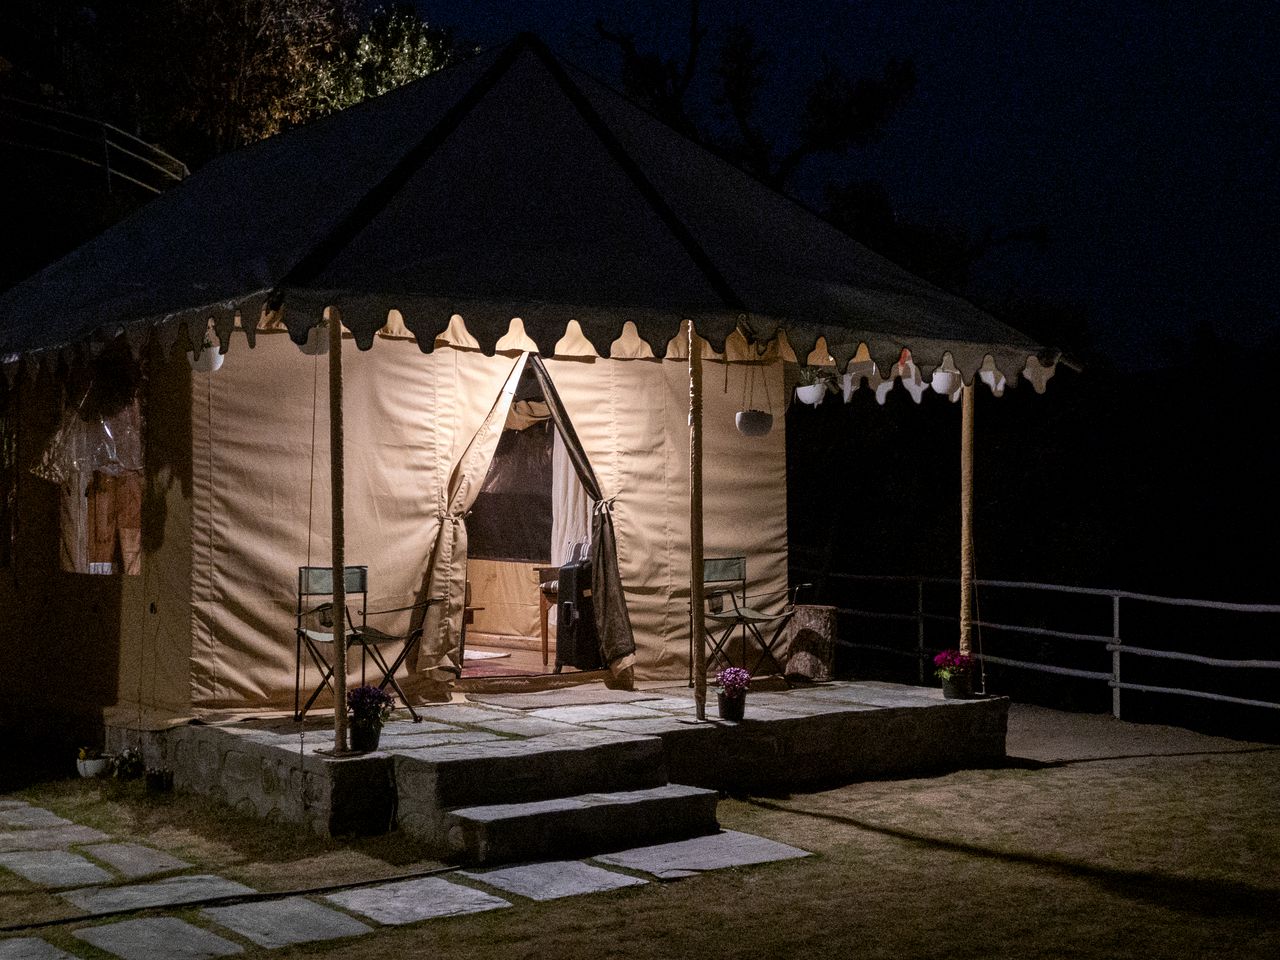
531	517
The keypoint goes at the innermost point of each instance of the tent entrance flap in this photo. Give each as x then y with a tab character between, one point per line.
613	623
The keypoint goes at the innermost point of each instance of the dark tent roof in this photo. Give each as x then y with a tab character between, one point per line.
512	185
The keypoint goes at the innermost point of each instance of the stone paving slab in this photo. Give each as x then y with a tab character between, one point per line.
158	938
408	901
400	728
134	860
54	868
550	881
671	704
687	858
594	712
31	948
400	744
173	891
50	838
527	726
562	697
651	726
903	696
27	816
459	713
279	923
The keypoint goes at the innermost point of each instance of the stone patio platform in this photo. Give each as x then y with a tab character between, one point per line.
518	748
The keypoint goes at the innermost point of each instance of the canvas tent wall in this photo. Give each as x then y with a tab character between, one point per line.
259	506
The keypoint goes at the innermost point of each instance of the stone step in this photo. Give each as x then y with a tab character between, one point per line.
580	825
539	768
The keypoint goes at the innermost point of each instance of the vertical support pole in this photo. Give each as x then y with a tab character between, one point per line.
1115	656
338	530
697	622
920	630
966	518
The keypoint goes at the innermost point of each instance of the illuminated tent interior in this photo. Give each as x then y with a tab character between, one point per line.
509	206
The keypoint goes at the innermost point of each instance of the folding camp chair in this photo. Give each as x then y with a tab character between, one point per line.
725	583
315	633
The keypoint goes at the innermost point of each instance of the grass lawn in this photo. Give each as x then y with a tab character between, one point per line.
1145	857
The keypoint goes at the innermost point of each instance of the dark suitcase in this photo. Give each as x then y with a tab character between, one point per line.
577	642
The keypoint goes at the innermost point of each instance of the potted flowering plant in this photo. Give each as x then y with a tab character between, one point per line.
91	763
955	670
128	764
368	708
732	696
814	382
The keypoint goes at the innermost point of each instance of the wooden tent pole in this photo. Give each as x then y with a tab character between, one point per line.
338	528
697	623
966	518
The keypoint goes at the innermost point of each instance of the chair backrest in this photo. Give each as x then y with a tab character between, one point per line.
729	574
319	580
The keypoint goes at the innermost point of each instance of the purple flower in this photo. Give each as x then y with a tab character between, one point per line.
369	705
733	681
952	663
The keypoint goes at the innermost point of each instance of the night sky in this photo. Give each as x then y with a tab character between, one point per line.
1143	134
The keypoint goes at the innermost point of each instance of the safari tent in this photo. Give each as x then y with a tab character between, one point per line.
507	209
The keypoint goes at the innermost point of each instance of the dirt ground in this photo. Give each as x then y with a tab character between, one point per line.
1098	839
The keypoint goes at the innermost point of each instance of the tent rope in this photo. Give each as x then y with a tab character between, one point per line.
311	491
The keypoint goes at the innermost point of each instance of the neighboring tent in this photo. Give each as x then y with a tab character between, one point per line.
510	204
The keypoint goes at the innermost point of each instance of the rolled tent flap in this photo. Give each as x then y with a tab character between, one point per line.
613	623
447	571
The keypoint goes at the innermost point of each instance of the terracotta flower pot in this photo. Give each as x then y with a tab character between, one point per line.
731	708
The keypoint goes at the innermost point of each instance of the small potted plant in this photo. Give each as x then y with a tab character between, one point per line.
955	670
368	708
732	696
127	764
814	384
91	763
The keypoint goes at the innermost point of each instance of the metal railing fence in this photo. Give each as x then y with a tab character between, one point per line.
1107	635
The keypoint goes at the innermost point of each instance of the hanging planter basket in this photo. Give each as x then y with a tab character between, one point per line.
811	393
753	423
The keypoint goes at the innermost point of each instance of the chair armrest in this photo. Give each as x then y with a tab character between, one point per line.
413	606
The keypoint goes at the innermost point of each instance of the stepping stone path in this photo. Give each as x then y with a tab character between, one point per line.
687	858
134	860
550	881
170	892
35	844
279	923
54	868
152	938
31	948
408	901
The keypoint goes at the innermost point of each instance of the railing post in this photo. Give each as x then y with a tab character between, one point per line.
920	629
1115	656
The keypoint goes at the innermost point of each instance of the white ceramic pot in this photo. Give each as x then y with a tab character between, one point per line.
208	361
97	767
811	394
753	423
945	382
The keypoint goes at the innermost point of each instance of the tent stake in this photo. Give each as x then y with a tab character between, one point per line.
339	535
966	518
696	602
